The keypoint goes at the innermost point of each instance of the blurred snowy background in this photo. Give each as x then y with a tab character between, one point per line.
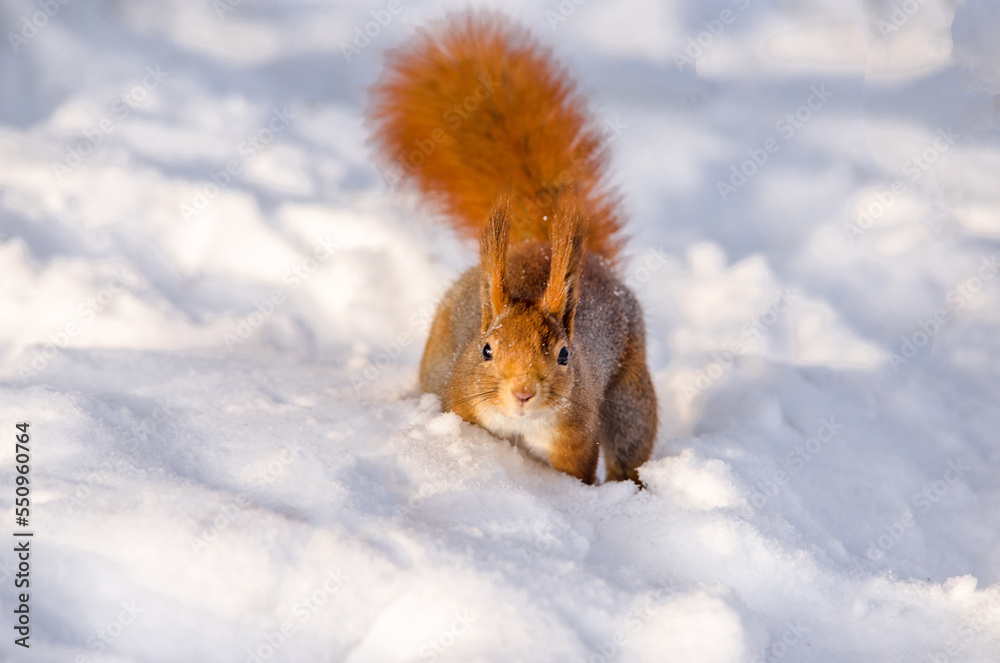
213	308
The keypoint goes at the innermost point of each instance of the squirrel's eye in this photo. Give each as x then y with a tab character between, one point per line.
563	357
487	352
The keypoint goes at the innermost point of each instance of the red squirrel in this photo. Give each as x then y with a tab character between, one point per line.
542	343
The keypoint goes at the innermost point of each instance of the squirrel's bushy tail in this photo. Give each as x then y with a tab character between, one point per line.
475	105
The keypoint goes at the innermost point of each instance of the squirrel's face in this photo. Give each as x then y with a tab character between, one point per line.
526	365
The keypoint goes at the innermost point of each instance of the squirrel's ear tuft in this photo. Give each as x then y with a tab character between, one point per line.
562	292
493	260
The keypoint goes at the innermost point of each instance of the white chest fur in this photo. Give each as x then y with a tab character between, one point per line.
536	431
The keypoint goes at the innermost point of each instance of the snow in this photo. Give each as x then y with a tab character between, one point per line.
230	457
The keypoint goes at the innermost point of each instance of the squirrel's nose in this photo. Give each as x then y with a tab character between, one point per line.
523	394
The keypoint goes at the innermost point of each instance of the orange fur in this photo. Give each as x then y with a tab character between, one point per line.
476	105
562	290
493	249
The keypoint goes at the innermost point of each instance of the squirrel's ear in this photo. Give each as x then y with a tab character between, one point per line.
563	289
493	261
